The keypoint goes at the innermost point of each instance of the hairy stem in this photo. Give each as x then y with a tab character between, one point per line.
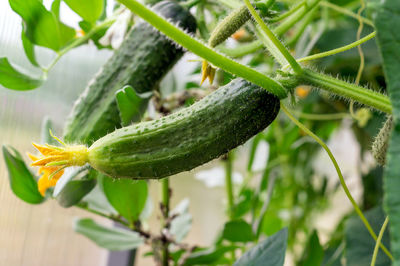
202	50
347	90
282	49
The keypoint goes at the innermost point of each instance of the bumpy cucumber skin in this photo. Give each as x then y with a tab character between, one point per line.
186	139
143	59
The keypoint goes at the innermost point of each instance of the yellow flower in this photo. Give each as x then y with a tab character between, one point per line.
54	160
47	178
207	72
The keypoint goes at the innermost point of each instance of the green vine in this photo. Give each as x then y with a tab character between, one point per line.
341	178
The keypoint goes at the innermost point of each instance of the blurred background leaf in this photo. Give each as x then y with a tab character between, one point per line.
109	238
360	244
270	252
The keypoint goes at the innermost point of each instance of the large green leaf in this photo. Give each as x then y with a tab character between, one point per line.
270	252
15	80
109	238
360	244
387	24
42	26
74	191
22	182
131	104
89	10
238	231
127	196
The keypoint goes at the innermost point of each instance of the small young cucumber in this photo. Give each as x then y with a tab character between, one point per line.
188	138
143	59
381	142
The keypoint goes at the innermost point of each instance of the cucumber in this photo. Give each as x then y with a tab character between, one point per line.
381	142
188	138
143	59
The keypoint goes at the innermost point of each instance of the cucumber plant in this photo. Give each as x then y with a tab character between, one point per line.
277	68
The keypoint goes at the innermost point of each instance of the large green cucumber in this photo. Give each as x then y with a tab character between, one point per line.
143	59
188	138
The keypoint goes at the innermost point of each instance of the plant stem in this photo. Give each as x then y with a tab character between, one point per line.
229	184
334	116
229	189
264	208
282	49
111	217
241	50
77	42
378	241
202	50
292	20
290	12
165	203
338	50
306	22
341	178
350	91
346	12
279	31
360	51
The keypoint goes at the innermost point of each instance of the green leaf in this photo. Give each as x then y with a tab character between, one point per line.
22	182
270	252
208	256
15	80
314	253
109	238
131	104
360	244
96	200
127	196
74	191
387	23
180	225
89	10
238	231
42	26
29	48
